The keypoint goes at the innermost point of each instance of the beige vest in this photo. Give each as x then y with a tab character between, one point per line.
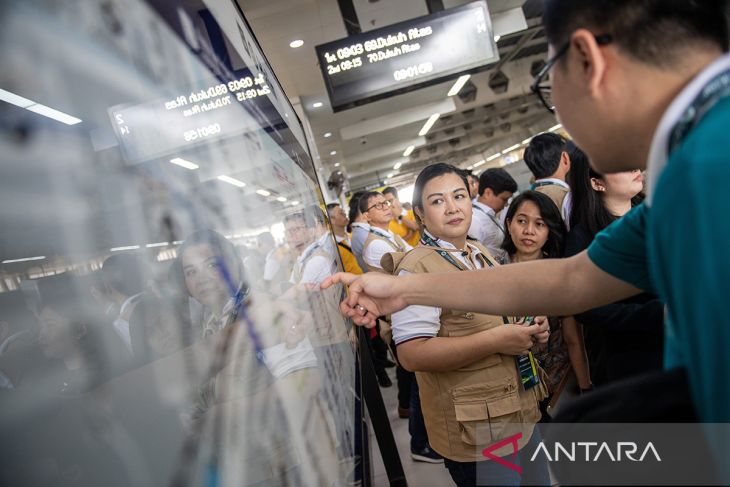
468	409
399	246
556	193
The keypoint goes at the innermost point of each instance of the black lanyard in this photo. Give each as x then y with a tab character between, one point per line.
714	91
534	186
393	243
427	240
494	220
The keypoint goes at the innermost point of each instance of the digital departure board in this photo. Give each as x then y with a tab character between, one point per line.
406	56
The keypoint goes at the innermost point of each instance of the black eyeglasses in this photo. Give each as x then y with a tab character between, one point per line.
381	205
542	88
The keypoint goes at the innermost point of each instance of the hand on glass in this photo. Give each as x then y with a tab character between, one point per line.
370	295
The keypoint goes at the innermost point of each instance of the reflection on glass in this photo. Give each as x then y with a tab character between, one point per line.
159	317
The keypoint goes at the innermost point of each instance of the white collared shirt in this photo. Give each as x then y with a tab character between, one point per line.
425	321
659	145
359	234
121	325
485	228
378	248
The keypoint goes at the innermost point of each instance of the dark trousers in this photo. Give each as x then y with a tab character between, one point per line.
470	474
416	425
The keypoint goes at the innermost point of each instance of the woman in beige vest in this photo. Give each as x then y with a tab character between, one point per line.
474	403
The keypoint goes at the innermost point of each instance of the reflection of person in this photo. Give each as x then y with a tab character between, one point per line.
339	223
496	187
464	359
549	162
213	275
158	329
359	228
307	234
403	223
636	84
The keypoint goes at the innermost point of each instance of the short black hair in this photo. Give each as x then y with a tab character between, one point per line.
391	190
353	210
543	153
430	172
363	204
332	206
651	31
221	247
498	180
123	273
550	214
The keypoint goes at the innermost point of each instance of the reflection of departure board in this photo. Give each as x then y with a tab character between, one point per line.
195	115
407	56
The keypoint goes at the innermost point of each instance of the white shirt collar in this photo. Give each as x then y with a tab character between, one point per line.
362	225
383	233
658	153
556	181
128	302
484	207
320	242
447	245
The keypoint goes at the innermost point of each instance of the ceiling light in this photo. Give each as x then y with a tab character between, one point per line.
390	175
511	148
333	153
184	163
317	104
497	38
470	168
128	247
25	259
491	158
294	203
263	192
480	163
296	43
555	127
398	165
54	114
526	141
34	107
337	164
15	99
281	199
408	151
177	242
327	135
233	181
158	244
458	85
429	123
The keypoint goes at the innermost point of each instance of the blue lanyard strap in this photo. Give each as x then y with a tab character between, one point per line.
714	91
494	220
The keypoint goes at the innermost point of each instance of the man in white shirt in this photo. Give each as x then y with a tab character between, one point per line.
548	160
378	212
360	229
496	187
307	234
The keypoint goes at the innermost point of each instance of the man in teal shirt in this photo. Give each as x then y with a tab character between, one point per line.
638	84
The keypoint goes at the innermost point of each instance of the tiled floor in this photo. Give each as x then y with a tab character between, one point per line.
417	473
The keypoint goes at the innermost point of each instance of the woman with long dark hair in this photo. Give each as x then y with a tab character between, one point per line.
624	338
466	364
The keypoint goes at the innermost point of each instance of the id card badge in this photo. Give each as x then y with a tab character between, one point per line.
526	364
528	371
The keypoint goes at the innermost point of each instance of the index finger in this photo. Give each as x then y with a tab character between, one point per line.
340	277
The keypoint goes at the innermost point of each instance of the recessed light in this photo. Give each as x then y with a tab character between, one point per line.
25	259
327	135
294	203
398	166
408	151
263	192
281	199
183	163
497	38
390	175
296	43
317	104
458	85
128	247
429	123
337	164
233	181
333	153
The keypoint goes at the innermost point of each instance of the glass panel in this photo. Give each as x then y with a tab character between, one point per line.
162	237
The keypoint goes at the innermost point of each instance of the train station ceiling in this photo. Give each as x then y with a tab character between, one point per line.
368	142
